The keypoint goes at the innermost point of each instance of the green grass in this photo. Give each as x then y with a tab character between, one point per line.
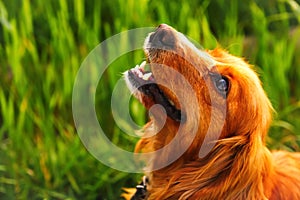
43	43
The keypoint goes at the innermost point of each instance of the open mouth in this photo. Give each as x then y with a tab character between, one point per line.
142	82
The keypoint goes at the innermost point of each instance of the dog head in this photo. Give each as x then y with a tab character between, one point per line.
209	93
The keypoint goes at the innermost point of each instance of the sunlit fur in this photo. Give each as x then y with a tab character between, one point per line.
239	166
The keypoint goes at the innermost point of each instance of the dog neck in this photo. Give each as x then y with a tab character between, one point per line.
196	178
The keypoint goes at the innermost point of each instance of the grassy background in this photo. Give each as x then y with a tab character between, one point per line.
42	44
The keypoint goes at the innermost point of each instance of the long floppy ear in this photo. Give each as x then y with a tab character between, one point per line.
249	109
287	175
237	166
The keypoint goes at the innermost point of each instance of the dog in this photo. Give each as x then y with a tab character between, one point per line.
215	120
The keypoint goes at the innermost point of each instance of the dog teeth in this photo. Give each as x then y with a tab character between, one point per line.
143	64
137	67
171	102
139	71
147	76
140	74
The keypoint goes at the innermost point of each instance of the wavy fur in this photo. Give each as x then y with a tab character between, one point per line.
239	166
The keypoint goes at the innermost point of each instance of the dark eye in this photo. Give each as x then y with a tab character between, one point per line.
221	83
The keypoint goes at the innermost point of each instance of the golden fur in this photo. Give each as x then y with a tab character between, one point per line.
239	166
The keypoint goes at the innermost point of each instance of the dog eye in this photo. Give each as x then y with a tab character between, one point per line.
221	83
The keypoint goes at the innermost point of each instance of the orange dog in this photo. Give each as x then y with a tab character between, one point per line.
218	115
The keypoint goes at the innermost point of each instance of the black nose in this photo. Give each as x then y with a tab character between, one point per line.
163	37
